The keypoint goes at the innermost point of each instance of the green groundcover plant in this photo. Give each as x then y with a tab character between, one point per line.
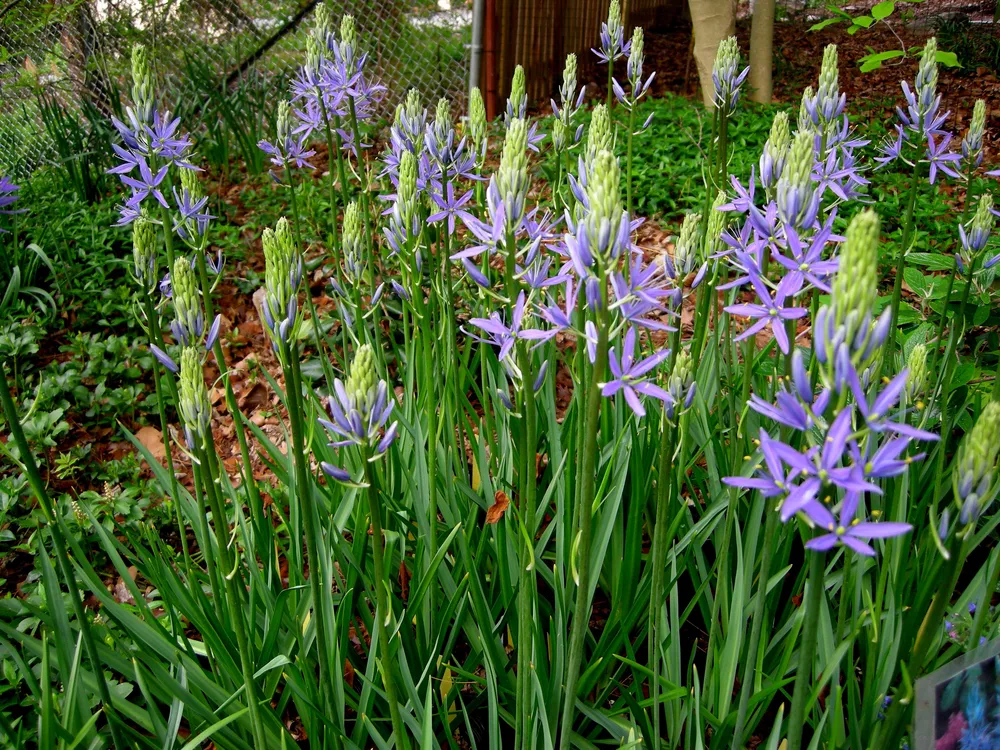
545	488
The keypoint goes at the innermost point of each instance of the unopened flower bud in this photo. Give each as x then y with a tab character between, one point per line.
282	276
714	243
772	160
805	122
726	75
142	84
635	58
413	103
314	55
193	403
560	135
972	144
600	136
681	384
348	30
352	241
927	77
975	464
917	375
189	320
477	119
512	175
144	253
567	91
283	123
686	246
322	23
829	102
604	220
517	102
407	188
797	199
855	286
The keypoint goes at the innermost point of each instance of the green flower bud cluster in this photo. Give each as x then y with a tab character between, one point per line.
407	187
614	18
717	221
512	175
144	242
283	123
680	384
567	91
477	120
603	221
322	25
917	375
282	276
600	136
799	162
927	77
560	135
975	464
362	380
442	122
635	57
413	103
829	84
193	403
314	54
855	285
687	244
779	143
142	84
352	242
189	320
348	31
517	102
972	144
805	122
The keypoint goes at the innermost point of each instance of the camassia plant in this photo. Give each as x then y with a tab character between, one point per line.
540	485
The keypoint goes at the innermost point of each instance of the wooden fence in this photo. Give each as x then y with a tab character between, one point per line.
538	34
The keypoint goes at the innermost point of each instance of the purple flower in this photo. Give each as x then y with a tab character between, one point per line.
876	414
191	214
853	533
356	418
8	196
497	332
939	159
806	263
292	153
450	208
628	375
771	478
146	184
771	311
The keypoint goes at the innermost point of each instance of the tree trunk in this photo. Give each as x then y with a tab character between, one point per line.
711	21
762	50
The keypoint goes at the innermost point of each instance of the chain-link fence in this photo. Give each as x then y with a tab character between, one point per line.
76	54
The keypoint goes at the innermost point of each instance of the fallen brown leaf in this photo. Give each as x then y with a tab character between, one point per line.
500	504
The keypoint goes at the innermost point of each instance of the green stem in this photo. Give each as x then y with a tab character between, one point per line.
760	605
984	605
897	285
807	650
235	589
59	543
585	510
930	631
381	584
316	555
